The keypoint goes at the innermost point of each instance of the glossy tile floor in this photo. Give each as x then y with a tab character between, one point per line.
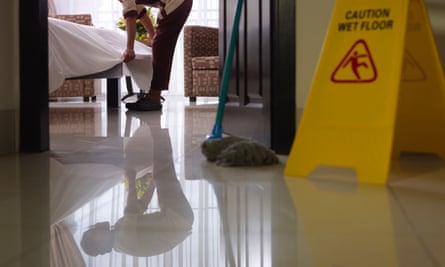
132	189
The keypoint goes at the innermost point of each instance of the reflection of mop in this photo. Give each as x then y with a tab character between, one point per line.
230	257
217	127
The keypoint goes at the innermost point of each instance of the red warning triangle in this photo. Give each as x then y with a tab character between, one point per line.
357	66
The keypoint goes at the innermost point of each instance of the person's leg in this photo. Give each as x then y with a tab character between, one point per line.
163	47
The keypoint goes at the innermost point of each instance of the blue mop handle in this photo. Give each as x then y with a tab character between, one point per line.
217	128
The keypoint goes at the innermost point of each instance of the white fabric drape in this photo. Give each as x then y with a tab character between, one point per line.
78	50
106	13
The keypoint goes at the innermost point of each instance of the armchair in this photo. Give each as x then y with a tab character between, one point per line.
74	88
201	61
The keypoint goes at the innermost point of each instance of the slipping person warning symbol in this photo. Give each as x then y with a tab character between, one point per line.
357	66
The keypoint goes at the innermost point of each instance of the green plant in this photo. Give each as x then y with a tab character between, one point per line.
141	33
141	184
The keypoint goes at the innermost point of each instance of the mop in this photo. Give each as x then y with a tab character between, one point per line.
232	150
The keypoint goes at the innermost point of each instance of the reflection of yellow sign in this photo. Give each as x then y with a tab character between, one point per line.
371	98
351	225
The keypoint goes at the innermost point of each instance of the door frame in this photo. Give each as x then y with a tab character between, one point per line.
33	74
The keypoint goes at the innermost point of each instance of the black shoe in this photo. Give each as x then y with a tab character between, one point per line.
144	104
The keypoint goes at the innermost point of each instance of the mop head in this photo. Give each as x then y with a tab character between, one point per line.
236	151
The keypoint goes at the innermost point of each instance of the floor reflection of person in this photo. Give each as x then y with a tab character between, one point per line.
138	232
63	248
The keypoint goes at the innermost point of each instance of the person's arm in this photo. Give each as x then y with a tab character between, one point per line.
130	23
130	13
148	25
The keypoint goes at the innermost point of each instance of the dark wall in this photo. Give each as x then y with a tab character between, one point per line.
261	95
437	9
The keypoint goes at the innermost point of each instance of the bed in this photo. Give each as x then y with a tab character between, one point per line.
79	51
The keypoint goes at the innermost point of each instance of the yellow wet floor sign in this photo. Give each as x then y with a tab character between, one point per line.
378	90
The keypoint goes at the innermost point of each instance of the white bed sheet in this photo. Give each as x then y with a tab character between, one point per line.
77	50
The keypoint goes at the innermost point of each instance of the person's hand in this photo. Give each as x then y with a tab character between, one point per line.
148	41
129	55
